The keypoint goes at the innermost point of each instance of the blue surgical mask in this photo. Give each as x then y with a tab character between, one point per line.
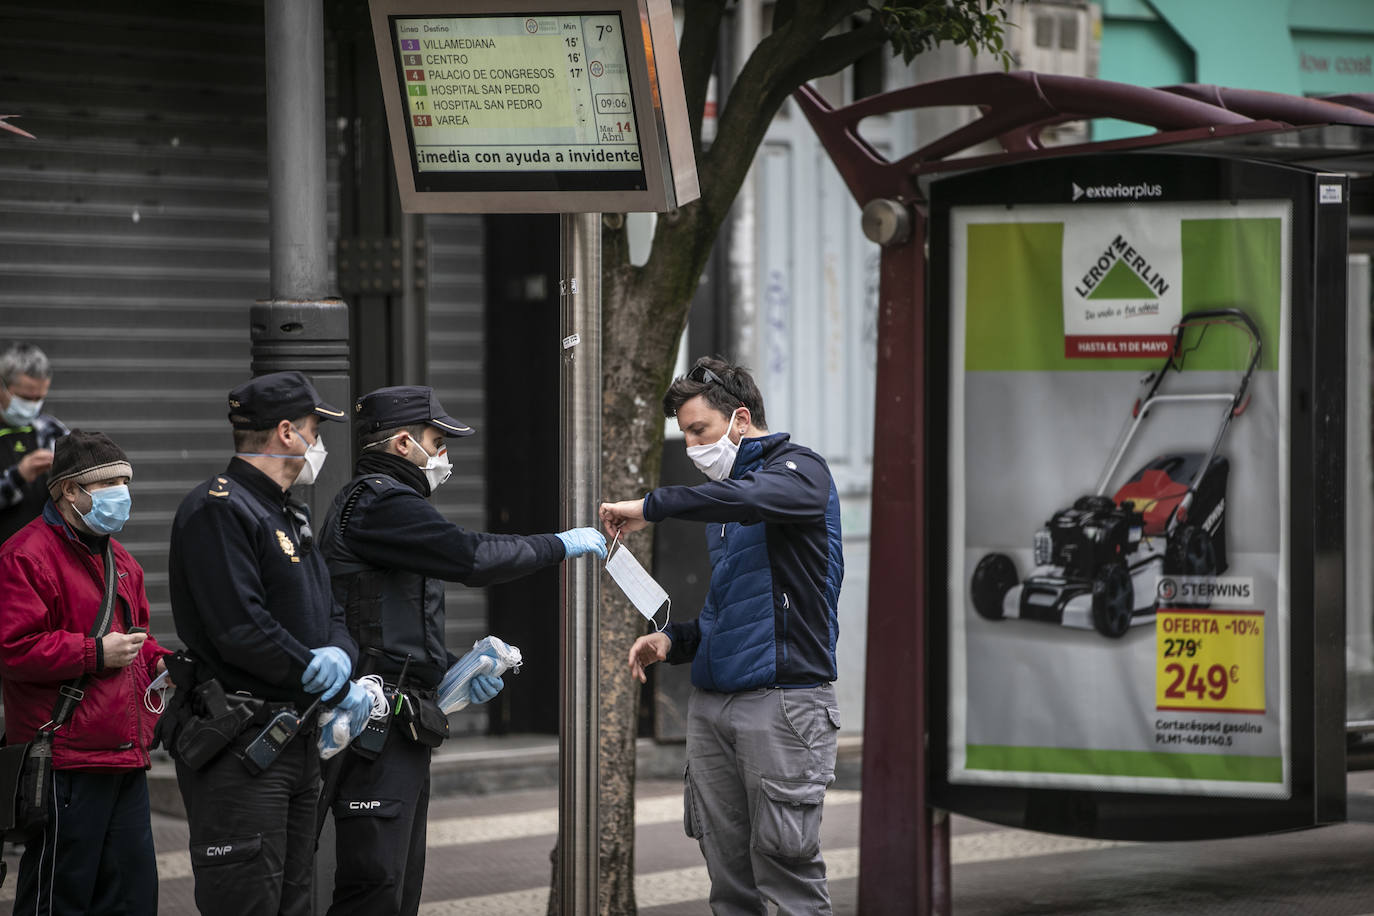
22	411
109	509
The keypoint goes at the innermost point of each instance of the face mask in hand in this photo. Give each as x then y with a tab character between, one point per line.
109	509
717	458
22	412
155	694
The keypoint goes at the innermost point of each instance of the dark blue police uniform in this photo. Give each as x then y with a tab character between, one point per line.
389	553
251	597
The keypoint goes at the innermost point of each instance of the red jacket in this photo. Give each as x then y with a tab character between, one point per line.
51	586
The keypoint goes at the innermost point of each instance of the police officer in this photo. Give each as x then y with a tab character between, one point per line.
252	602
390	552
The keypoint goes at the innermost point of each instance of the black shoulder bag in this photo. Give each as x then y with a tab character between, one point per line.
26	769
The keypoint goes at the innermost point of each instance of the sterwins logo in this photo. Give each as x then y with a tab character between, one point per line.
1122	272
1117	191
1206	590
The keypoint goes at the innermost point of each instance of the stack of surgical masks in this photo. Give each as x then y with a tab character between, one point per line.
489	655
337	727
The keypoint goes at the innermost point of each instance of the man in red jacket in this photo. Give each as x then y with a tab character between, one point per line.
95	854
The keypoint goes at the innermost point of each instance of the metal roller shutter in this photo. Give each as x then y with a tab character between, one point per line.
133	231
456	353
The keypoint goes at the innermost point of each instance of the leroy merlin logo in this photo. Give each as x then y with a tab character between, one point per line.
1121	272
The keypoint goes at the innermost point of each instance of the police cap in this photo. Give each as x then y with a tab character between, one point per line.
404	405
264	401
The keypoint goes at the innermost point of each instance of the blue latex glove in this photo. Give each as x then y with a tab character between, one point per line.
327	672
483	687
579	541
358	705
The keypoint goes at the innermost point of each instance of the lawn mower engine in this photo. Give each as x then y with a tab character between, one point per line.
1083	539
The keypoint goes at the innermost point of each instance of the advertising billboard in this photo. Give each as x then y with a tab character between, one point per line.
1128	600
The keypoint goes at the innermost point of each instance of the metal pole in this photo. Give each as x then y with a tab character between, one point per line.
298	327
579	492
896	833
1359	489
295	148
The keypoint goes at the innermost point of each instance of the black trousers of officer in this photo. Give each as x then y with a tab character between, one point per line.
253	837
380	808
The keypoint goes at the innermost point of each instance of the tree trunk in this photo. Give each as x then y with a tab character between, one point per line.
644	312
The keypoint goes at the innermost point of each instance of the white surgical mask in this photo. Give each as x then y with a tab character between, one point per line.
155	694
313	457
716	458
437	469
641	588
314	460
22	411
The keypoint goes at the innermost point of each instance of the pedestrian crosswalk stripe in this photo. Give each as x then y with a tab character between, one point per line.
680	885
459	831
663	809
688	885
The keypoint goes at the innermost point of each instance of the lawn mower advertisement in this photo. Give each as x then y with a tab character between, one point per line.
1119	609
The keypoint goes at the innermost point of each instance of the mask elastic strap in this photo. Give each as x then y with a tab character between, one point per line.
308	447
667	617
610	550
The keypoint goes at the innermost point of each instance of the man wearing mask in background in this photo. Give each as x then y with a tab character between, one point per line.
762	720
389	553
252	602
26	436
95	854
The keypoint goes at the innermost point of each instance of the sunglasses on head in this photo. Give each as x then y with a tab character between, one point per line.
707	377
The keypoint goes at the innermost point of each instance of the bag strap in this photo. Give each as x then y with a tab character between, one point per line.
69	694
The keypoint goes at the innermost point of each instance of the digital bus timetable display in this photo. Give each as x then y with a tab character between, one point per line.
521	102
534	105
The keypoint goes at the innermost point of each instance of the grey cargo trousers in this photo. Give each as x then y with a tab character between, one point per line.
758	763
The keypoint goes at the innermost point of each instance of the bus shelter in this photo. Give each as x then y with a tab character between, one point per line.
1109	515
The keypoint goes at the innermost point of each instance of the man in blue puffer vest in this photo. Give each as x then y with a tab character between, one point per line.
762	719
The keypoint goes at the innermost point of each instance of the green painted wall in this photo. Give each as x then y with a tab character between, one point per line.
1300	47
1143	52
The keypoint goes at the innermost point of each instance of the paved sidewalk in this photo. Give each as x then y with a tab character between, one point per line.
489	854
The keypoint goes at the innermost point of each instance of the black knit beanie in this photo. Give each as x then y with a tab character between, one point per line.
86	458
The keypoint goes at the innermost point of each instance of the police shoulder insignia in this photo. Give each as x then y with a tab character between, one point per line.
287	547
220	487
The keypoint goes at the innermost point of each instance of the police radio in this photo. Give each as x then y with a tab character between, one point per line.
370	742
264	749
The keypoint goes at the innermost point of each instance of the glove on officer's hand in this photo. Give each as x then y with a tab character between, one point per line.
358	705
579	541
327	672
483	687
